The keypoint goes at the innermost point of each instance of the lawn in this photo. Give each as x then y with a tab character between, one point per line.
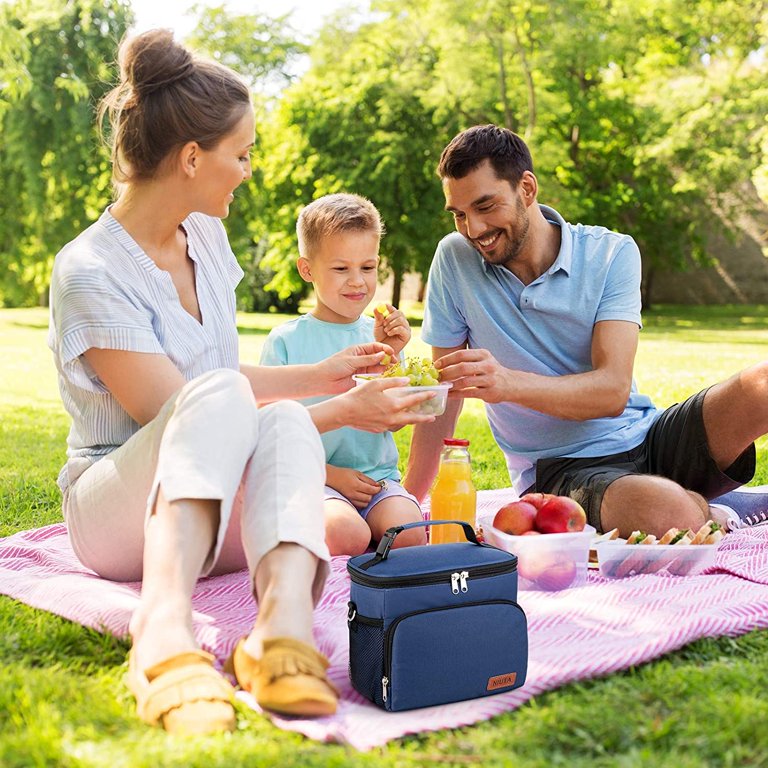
62	701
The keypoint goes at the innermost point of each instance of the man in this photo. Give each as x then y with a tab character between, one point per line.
540	319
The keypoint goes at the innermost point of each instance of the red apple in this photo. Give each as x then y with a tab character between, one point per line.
528	565
560	514
558	576
515	518
547	570
537	499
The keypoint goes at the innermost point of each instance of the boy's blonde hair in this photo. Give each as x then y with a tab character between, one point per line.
331	214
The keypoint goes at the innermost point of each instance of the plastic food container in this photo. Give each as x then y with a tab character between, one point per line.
617	559
435	406
546	562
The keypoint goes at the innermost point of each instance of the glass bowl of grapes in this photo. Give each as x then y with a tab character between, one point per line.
422	377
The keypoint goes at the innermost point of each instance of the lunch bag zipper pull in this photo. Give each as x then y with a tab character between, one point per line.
384	684
463	576
455	582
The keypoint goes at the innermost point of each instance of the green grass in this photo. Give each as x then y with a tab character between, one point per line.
62	702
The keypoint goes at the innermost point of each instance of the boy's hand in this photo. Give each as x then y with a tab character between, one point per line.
337	370
351	484
391	327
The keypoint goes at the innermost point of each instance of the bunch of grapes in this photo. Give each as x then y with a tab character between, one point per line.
419	371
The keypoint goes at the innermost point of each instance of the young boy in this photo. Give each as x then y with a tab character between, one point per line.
339	254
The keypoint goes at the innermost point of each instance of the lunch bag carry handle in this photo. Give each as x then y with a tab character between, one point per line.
388	539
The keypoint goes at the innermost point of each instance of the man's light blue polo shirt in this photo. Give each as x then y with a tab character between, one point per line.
545	328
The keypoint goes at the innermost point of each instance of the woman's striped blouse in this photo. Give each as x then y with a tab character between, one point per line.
107	293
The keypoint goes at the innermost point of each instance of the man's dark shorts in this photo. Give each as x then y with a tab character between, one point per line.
675	447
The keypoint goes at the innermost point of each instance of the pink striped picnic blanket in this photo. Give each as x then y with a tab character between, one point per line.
580	633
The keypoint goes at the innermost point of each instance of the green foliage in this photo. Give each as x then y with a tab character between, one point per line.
645	116
264	50
356	123
259	47
57	57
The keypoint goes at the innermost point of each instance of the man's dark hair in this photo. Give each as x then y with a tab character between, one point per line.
506	151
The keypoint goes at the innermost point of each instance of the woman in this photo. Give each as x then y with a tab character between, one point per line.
173	470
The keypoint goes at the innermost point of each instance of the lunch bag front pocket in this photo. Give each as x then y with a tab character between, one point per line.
450	654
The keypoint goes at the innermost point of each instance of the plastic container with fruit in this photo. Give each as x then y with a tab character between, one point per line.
422	377
545	561
548	534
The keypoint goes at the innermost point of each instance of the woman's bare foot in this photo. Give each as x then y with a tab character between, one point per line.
159	634
283	586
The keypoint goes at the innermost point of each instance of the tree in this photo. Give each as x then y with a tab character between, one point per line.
356	123
641	114
262	48
265	51
55	63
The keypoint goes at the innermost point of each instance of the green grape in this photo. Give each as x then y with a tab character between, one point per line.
420	372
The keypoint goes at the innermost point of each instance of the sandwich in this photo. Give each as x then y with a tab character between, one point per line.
611	535
709	533
634	562
673	537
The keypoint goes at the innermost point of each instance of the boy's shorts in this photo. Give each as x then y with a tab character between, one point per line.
675	447
390	488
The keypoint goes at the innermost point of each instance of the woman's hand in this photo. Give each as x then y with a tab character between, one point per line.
369	407
391	327
337	370
373	409
356	487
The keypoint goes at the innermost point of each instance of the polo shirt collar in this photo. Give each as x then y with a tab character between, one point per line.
565	255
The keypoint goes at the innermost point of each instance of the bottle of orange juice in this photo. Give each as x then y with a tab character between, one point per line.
453	494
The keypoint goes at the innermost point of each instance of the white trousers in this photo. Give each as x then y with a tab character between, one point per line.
209	441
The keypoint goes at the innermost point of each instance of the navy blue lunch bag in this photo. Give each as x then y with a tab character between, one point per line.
434	624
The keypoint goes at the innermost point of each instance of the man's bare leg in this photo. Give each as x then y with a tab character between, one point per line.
735	414
652	504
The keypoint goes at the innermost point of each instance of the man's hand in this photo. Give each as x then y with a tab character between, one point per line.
353	485
474	373
391	327
337	370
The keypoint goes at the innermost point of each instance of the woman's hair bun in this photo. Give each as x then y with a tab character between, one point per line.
166	97
153	60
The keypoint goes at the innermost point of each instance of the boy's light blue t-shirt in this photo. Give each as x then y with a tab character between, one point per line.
309	340
545	328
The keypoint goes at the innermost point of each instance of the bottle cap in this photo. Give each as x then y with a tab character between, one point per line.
454	441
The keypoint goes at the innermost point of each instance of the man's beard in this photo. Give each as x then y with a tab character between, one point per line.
516	235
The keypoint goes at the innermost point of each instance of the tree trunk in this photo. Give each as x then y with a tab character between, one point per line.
397	286
422	289
646	289
509	119
573	146
529	84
